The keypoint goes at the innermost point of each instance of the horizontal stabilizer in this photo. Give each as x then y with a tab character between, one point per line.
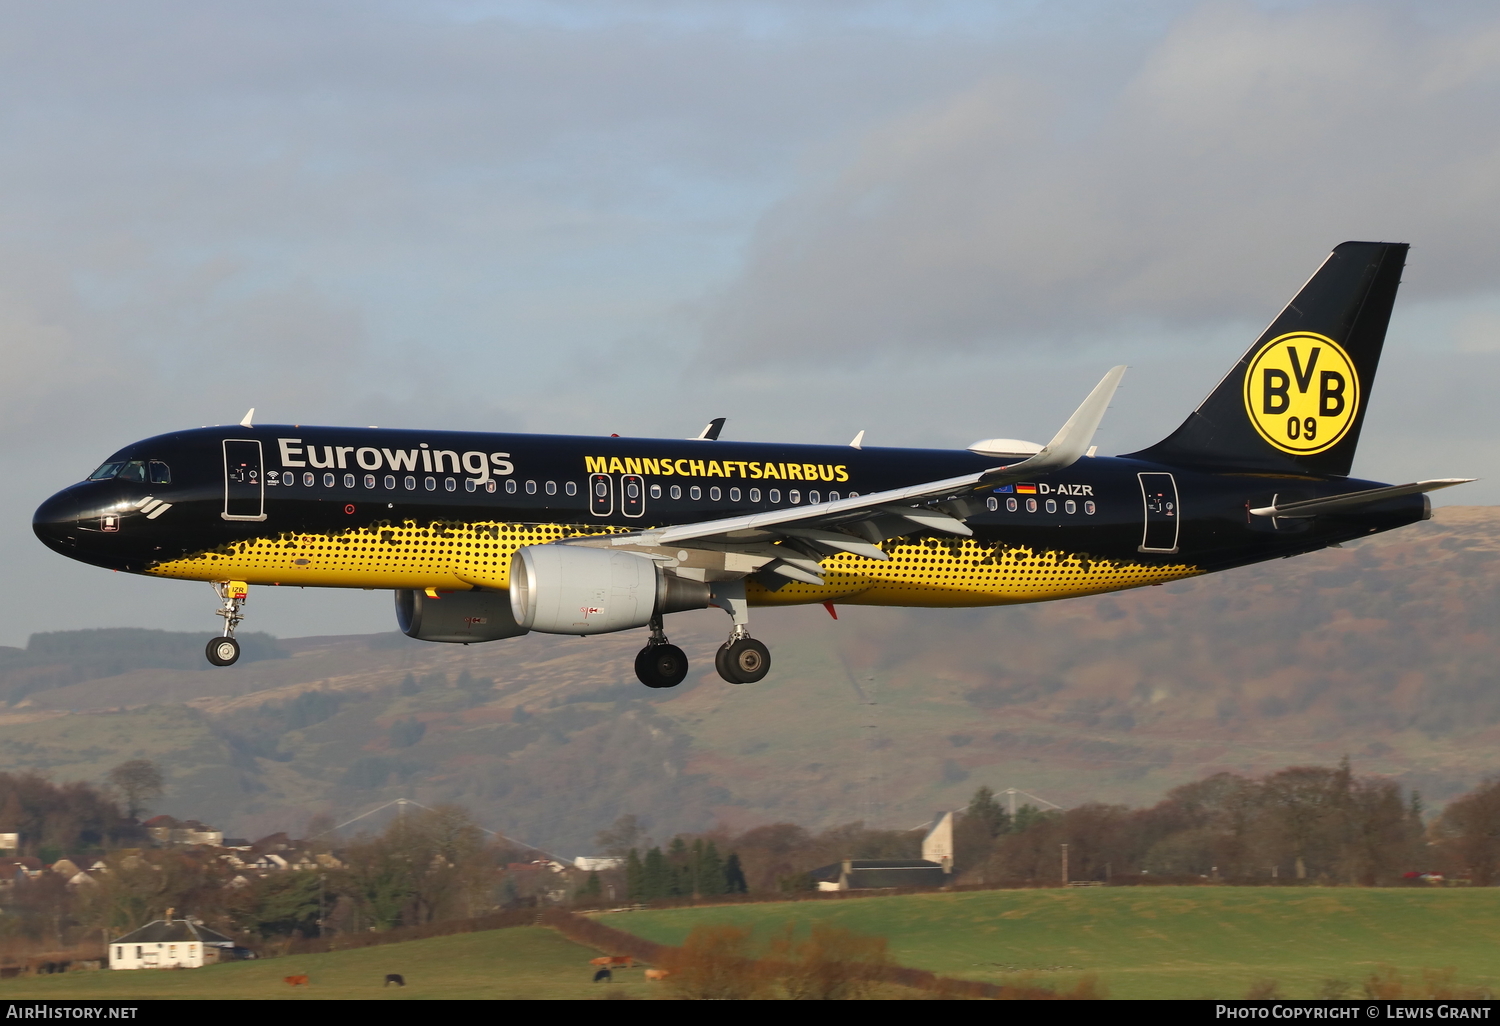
1353	500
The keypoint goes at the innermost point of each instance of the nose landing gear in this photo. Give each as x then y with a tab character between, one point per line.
660	664
224	650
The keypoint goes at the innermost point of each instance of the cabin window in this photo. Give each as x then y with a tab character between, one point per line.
510	487
551	487
530	487
775	496
106	471
695	492
489	486
470	484
369	480
308	479
755	495
1010	505
734	495
390	482
410	483
793	496
1031	505
1088	507
833	496
814	498
632	488
160	473
572	489
853	495
348	480
327	480
1071	506
1051	505
676	491
992	503
450	485
656	491
715	494
430	483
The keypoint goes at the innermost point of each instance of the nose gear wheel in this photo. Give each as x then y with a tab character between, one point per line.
224	650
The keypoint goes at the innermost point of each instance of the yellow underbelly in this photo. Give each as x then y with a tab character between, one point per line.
921	573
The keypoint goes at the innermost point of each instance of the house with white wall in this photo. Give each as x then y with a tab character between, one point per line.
169	943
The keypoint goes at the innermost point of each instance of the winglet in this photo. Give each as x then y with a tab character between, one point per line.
710	433
859	440
1076	437
249	418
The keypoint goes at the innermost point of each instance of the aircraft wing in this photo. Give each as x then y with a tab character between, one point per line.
792	541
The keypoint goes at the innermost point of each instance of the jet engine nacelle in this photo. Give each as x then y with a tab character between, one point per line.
577	589
460	617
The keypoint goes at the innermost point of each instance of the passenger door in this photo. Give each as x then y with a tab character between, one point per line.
1159	493
244	482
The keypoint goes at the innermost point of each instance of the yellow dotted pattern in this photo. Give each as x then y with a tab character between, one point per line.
957	572
407	555
966	573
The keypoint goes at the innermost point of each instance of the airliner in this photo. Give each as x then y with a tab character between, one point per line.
488	536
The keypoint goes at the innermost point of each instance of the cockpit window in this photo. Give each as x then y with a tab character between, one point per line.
134	470
107	471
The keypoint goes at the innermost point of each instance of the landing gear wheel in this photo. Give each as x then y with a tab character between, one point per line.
223	651
743	661
661	666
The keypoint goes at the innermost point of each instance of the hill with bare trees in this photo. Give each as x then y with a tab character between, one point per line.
1382	650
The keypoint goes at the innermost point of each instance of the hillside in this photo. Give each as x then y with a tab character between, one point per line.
1381	649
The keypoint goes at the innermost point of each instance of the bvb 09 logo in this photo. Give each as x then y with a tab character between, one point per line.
1301	393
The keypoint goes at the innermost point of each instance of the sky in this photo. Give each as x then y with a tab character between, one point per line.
933	221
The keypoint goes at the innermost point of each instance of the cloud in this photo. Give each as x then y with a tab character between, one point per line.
1047	203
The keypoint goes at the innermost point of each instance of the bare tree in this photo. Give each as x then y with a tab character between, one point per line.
139	780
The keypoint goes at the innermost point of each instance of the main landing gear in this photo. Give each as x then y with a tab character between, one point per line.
740	660
660	664
225	651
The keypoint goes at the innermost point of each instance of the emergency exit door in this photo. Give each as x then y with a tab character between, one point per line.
1159	494
244	483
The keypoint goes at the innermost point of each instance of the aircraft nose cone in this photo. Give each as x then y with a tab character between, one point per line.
55	521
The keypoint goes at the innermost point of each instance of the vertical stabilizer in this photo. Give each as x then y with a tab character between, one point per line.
1297	399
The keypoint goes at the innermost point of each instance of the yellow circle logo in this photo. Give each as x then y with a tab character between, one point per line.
1301	393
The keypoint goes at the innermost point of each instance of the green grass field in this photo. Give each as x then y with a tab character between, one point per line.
1154	942
524	962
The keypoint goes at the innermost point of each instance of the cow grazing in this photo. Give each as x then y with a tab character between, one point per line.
605	975
395	978
658	974
296	981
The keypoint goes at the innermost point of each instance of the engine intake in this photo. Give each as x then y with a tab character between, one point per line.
458	617
576	589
